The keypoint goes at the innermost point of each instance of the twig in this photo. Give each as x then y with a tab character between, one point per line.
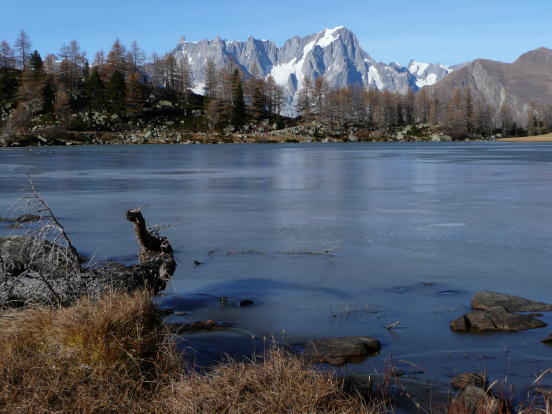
392	325
541	376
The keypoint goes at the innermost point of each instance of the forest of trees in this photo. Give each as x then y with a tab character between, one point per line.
123	86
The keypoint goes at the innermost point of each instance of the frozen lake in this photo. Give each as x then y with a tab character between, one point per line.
413	231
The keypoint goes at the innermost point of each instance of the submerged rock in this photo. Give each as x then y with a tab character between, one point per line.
486	300
338	351
495	319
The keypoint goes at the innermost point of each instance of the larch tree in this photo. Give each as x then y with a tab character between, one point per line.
138	56
116	58
185	79
136	100
304	98
7	57
23	47
211	81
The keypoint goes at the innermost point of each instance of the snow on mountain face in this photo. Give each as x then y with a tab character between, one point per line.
334	53
427	73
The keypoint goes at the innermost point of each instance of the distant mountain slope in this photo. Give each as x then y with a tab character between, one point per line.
517	85
333	53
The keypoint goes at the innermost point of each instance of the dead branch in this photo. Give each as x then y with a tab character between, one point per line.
58	225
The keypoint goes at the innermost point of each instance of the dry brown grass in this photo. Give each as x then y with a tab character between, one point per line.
115	356
536	138
106	357
280	384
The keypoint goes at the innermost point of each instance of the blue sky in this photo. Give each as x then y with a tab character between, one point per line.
443	31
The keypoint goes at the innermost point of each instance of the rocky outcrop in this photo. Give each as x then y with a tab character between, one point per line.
35	271
495	319
486	300
338	351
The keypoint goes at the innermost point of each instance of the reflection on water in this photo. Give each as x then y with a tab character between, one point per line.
405	223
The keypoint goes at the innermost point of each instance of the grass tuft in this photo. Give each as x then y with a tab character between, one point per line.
115	355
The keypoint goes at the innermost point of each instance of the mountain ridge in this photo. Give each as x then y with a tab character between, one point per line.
333	53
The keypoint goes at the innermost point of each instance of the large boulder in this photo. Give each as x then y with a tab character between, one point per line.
486	300
495	319
338	351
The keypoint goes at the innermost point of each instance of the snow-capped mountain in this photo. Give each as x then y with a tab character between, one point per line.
335	54
427	74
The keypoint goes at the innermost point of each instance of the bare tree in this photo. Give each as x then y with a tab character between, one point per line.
23	47
137	55
7	58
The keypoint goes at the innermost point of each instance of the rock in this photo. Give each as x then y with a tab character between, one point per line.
467	379
548	339
338	351
495	319
188	327
474	400
245	303
485	300
165	105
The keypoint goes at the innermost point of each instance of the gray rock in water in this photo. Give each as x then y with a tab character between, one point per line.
495	319
337	351
486	300
548	339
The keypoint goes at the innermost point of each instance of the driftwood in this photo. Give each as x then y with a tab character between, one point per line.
36	271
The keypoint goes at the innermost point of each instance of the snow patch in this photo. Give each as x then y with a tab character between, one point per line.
282	72
418	68
374	78
430	79
329	36
199	89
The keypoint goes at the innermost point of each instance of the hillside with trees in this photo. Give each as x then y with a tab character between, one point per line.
123	96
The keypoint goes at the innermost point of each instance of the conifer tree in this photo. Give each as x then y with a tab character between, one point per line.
95	91
238	109
35	62
48	96
116	93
